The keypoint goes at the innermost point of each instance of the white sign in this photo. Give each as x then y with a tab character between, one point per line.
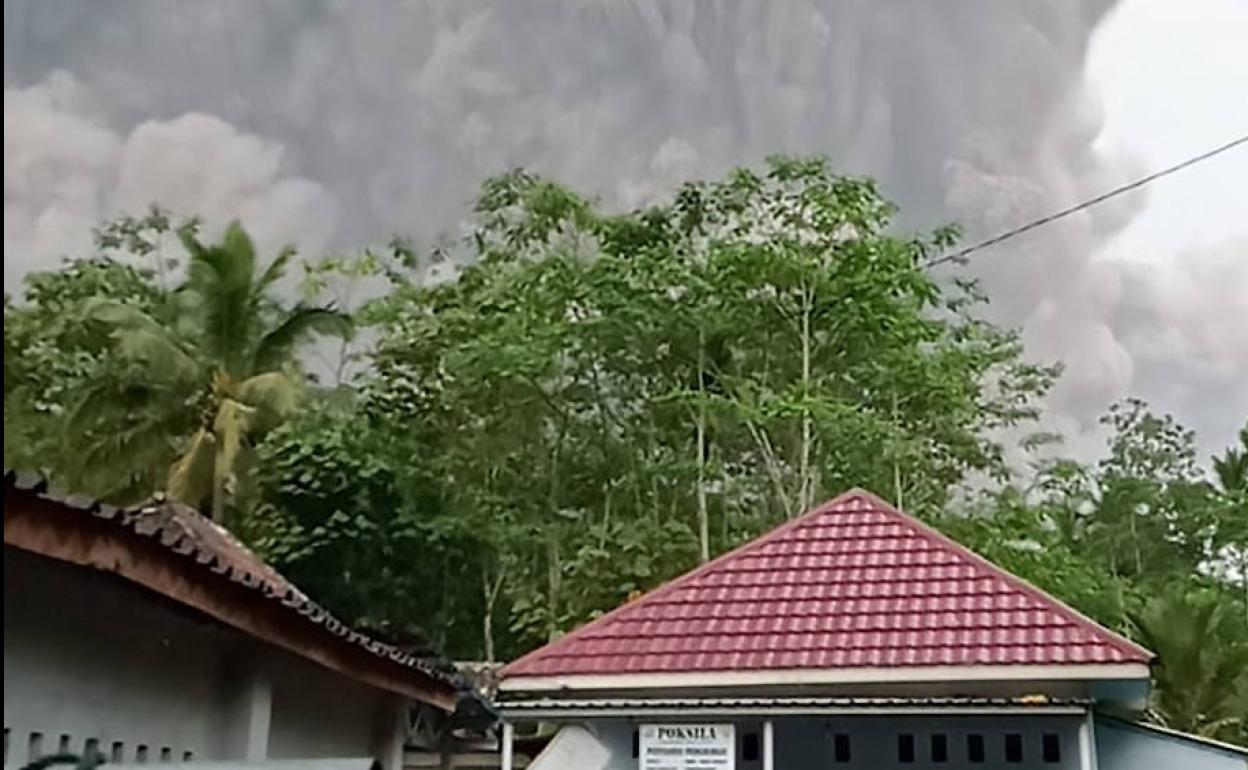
687	747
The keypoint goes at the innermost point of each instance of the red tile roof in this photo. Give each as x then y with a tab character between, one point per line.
853	583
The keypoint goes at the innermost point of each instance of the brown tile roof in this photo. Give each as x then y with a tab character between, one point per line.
185	532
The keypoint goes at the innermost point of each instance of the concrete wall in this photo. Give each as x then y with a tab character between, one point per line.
1124	747
805	743
314	715
91	657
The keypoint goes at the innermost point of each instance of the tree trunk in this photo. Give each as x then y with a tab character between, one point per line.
898	498
218	488
806	488
487	622
554	578
490	594
704	525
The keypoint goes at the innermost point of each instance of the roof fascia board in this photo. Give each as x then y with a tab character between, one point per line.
622	712
801	677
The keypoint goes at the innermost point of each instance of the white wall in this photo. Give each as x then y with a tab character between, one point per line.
98	660
90	656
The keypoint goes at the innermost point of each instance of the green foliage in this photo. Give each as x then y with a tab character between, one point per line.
1143	543
606	395
53	354
1202	672
147	388
335	520
1021	535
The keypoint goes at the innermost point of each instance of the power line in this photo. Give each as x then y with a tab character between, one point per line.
960	255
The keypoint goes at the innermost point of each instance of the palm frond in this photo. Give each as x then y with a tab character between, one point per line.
140	339
275	271
1231	470
276	349
223	276
273	396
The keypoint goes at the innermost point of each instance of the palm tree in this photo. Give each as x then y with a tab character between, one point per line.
1231	472
1201	675
202	384
1231	469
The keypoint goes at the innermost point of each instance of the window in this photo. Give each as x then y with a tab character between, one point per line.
636	744
975	748
940	748
1013	748
1051	748
140	754
62	747
840	747
187	756
905	748
749	747
118	754
34	749
166	754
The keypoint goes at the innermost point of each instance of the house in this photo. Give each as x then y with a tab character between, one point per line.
851	637
152	636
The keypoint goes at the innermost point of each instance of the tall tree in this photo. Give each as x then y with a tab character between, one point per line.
52	355
1230	540
616	387
206	382
1231	469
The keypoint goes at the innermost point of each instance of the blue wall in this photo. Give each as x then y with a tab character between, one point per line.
1123	746
805	743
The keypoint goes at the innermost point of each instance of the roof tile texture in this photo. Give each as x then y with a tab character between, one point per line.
853	583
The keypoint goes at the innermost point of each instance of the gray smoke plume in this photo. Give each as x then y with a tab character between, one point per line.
337	124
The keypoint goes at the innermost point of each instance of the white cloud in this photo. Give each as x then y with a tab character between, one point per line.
65	171
58	164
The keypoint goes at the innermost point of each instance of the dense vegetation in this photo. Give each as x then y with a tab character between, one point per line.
596	401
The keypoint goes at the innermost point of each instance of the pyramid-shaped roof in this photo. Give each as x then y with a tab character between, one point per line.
853	584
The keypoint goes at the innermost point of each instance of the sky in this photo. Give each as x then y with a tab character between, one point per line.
336	123
1171	78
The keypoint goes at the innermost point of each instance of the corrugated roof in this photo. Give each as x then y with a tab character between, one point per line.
854	583
184	531
1106	721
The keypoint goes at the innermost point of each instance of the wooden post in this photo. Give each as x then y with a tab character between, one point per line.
509	735
769	746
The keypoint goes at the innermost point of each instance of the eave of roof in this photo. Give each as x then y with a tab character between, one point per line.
207	555
553	708
823	679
